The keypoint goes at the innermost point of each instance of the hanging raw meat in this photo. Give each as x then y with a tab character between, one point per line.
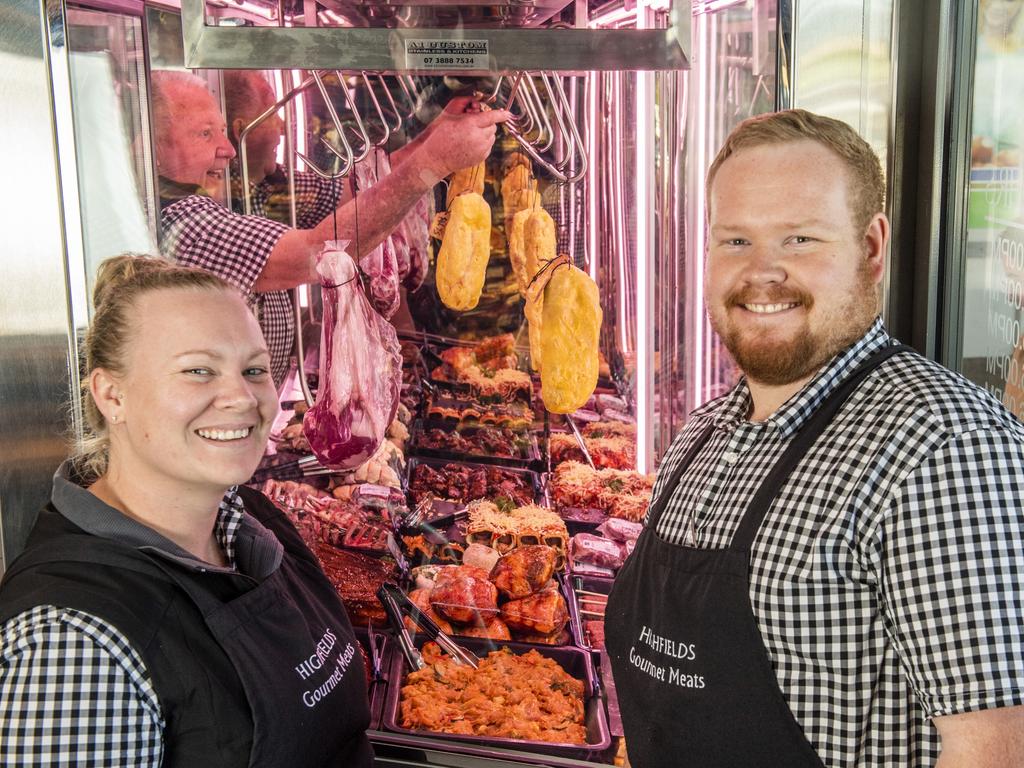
381	264
360	369
416	228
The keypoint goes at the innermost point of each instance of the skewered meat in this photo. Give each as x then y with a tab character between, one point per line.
463	594
488	441
543	613
524	570
461	483
421	599
495	629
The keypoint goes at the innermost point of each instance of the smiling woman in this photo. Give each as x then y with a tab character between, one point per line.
168	604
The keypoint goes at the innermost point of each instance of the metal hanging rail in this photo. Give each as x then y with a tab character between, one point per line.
401	50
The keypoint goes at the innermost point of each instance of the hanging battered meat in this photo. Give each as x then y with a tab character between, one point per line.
463	594
543	613
524	570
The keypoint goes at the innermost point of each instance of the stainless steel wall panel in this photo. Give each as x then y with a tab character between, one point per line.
34	339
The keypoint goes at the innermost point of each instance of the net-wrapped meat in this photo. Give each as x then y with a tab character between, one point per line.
465	250
469	179
463	594
360	370
571	329
524	570
543	613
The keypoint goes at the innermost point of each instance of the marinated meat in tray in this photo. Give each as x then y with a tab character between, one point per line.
483	441
475	603
612	452
356	578
462	483
519	697
465	595
619	493
541	614
524	570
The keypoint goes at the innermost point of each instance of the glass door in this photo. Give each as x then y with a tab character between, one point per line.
992	331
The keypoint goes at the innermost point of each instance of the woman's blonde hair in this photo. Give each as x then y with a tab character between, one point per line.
866	182
120	281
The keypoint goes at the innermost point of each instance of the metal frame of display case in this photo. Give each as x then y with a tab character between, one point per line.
388	50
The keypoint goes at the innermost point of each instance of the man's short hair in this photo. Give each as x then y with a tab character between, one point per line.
166	86
244	95
866	183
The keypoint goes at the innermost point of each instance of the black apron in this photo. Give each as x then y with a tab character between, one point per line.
287	638
694	681
299	663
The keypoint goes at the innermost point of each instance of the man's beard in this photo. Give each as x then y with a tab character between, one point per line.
785	361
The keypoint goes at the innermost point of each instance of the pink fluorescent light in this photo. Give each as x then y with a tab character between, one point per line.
697	318
613	17
278	93
591	181
300	121
258	10
644	335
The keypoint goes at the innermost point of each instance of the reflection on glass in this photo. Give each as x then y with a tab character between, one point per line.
993	347
733	80
111	134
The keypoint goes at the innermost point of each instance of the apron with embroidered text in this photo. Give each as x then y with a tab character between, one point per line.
694	682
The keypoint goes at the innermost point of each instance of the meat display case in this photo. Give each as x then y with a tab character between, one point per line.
652	87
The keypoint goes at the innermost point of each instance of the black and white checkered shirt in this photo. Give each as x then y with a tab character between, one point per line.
73	690
315	198
203	233
886	577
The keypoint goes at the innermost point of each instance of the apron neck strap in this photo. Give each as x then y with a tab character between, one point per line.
801	443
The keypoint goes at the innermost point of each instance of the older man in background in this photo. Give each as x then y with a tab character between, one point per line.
265	258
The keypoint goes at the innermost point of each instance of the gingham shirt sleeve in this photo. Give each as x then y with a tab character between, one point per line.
952	549
201	232
112	720
316	198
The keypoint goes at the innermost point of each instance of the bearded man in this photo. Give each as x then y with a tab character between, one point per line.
830	570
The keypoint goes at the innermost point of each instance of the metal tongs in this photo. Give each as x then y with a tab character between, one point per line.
396	604
579	440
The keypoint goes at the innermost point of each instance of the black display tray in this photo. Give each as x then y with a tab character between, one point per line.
576	662
533	477
527	452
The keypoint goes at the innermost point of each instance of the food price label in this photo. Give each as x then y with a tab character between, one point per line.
446	54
